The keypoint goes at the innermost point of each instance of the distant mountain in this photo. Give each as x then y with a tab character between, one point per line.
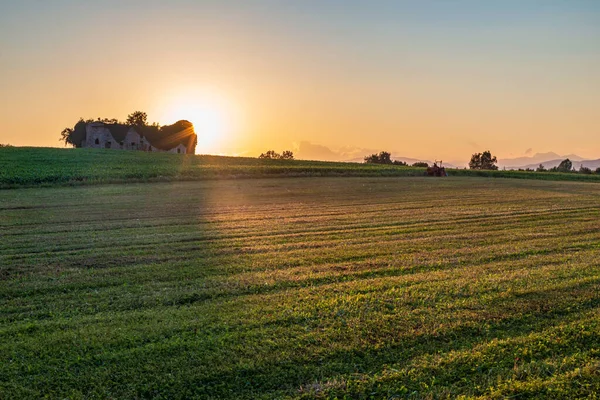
536	159
592	164
573	157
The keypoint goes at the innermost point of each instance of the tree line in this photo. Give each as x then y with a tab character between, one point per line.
482	161
273	155
564	166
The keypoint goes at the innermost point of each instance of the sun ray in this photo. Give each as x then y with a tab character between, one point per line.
211	117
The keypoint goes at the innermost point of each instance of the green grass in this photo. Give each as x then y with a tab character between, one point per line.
369	288
34	166
50	167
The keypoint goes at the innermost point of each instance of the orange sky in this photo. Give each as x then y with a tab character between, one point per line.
421	79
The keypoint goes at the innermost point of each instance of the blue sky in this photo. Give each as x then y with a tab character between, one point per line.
508	75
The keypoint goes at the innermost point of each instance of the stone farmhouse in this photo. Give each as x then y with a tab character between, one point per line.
178	139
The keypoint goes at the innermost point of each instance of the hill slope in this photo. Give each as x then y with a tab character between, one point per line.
33	166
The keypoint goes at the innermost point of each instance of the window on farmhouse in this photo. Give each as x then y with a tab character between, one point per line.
97	141
179	150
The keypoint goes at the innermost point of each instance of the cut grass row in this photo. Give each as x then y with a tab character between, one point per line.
26	167
301	288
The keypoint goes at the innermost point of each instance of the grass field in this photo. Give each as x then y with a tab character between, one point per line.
35	166
370	288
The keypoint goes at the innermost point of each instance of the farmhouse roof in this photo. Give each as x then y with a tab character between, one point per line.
118	131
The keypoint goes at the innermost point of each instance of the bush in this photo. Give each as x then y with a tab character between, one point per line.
382	158
584	170
273	155
483	160
287	155
420	164
565	166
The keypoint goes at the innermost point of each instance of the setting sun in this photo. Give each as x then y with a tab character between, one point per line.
211	116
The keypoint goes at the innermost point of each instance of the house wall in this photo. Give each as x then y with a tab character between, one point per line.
133	140
98	136
181	149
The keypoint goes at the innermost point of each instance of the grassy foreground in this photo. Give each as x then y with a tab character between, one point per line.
35	166
301	288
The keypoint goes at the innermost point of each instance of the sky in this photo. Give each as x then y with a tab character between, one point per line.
328	79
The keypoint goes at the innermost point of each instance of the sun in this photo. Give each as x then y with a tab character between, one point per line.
211	119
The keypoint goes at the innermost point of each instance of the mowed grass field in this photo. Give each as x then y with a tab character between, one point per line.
369	288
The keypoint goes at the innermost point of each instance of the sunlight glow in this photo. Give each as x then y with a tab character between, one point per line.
212	118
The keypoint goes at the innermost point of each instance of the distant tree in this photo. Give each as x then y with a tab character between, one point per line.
541	168
5	145
598	170
565	166
385	158
401	163
287	155
137	118
382	158
271	154
67	136
584	170
372	159
483	161
420	164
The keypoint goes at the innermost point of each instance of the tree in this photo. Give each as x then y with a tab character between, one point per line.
385	157
420	164
287	155
598	170
565	166
584	170
271	155
137	118
483	160
382	158
401	163
541	168
67	136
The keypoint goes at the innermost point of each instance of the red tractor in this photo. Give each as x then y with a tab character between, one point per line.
437	170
